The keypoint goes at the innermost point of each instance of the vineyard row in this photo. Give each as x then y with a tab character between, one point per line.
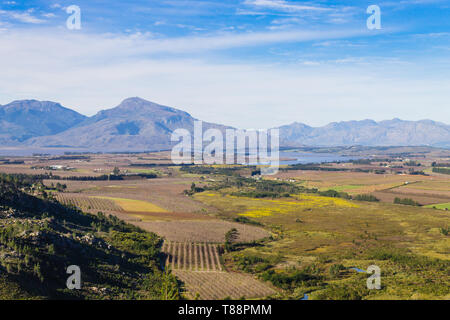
192	256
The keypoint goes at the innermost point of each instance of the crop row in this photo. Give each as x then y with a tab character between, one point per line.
219	285
88	203
192	256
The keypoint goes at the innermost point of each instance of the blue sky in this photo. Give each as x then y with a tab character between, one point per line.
246	63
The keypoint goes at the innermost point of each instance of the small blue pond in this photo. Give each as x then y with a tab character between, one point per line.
358	270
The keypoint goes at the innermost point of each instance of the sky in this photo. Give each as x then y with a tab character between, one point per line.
245	63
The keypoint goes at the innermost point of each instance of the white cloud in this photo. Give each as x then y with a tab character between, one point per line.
432	35
234	40
49	15
334	14
92	72
287	20
311	63
283	5
24	17
27	18
144	44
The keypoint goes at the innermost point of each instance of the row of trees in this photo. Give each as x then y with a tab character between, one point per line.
406	201
441	170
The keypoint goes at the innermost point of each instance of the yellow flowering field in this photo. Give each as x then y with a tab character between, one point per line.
257	208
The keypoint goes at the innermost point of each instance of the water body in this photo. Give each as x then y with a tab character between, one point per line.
23	152
305	158
358	270
294	157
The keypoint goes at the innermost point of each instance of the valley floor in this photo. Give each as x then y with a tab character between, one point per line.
294	242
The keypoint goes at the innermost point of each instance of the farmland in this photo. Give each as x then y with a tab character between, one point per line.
313	237
426	190
298	232
204	285
210	230
192	256
132	205
88	203
198	266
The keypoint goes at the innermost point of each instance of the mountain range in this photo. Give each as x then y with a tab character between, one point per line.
137	125
394	132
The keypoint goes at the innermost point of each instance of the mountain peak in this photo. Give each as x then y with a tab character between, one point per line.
134	125
135	101
36	105
22	119
139	105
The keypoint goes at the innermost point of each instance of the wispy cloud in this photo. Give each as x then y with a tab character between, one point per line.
433	35
282	5
294	12
24	17
145	44
49	15
286	20
239	40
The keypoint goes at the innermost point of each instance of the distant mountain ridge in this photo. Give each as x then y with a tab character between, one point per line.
137	125
394	132
21	120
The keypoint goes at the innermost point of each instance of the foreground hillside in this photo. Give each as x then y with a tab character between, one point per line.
40	238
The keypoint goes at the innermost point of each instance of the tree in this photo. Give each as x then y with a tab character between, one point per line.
116	171
231	237
169	288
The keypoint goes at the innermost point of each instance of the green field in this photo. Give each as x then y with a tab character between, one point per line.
315	241
440	206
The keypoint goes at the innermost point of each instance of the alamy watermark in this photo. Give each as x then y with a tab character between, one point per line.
73	22
374	281
374	21
245	147
74	281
